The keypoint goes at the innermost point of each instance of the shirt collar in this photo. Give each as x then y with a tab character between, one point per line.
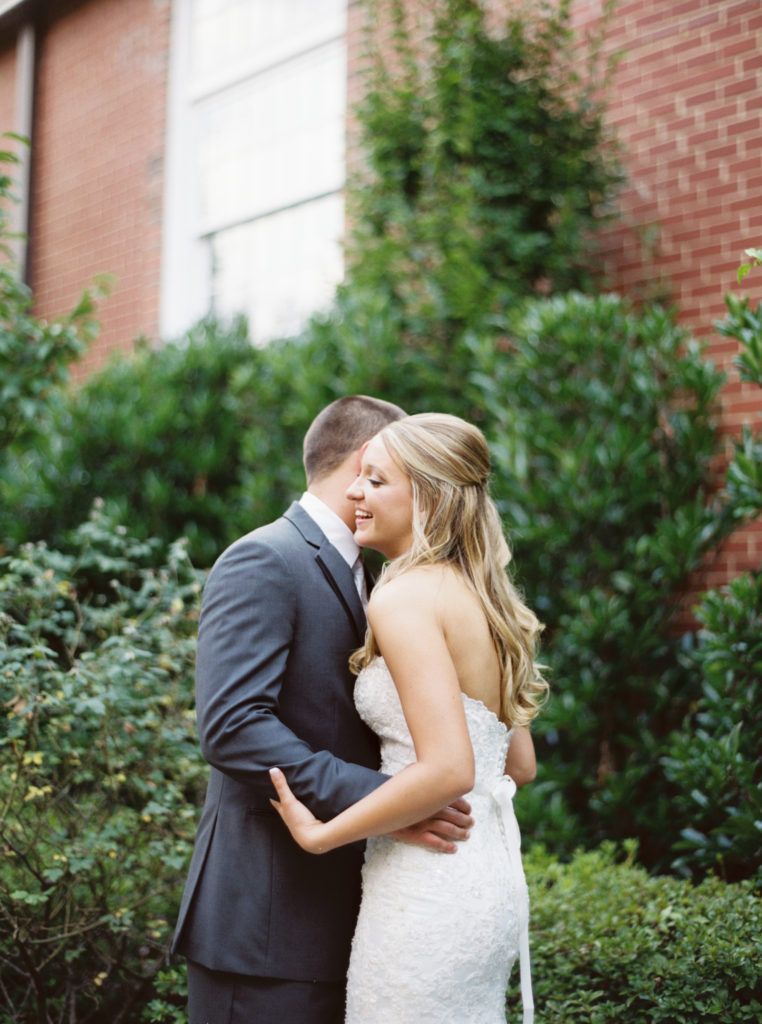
333	526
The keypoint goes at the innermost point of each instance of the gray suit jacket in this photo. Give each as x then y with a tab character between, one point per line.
280	616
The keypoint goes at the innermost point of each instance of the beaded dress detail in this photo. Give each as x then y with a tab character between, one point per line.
438	933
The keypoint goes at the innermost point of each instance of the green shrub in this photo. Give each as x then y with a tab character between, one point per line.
101	772
611	944
603	437
600	425
202	438
154	435
713	758
743	485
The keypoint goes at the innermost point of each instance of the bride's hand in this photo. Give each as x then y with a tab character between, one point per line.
306	829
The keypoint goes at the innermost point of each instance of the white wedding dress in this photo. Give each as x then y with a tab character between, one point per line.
438	933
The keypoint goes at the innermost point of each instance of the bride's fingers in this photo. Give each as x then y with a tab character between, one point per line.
284	794
298	819
281	786
293	813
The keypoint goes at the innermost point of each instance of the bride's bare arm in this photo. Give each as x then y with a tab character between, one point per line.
521	763
404	621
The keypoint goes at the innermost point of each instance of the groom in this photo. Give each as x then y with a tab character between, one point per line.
265	927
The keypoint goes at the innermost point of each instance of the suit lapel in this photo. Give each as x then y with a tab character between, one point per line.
332	565
337	572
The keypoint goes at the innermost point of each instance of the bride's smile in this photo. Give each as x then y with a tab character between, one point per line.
383	499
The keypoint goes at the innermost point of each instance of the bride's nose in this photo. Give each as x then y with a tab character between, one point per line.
354	492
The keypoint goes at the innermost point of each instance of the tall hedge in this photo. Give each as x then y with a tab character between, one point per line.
154	435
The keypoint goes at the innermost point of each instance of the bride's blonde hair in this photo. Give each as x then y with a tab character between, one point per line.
455	522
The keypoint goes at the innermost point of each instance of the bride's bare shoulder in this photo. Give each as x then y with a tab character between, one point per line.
419	589
406	610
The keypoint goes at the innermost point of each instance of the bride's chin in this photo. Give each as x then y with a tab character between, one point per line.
370	542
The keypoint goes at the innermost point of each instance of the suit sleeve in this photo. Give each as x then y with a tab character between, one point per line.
245	635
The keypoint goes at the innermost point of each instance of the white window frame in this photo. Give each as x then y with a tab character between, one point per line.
187	275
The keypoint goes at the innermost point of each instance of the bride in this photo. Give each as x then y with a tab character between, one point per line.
448	680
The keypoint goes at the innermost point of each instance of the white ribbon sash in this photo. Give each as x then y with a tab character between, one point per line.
503	794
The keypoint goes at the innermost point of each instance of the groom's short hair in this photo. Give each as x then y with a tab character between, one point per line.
341	428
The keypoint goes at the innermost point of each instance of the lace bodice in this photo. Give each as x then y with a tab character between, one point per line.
378	704
438	933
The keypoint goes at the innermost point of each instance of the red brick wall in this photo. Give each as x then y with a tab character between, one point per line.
7	105
98	172
686	103
7	91
355	43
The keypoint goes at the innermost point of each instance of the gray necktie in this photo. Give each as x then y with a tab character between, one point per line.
359	574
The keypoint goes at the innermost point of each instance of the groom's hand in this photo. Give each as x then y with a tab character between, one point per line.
442	830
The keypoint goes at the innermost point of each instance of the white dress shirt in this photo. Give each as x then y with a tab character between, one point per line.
339	534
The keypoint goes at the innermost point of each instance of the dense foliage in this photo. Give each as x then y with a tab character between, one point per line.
487	165
712	761
600	421
603	438
101	771
611	944
154	436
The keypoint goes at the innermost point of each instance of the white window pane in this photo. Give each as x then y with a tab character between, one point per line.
280	269
256	161
274	139
231	38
